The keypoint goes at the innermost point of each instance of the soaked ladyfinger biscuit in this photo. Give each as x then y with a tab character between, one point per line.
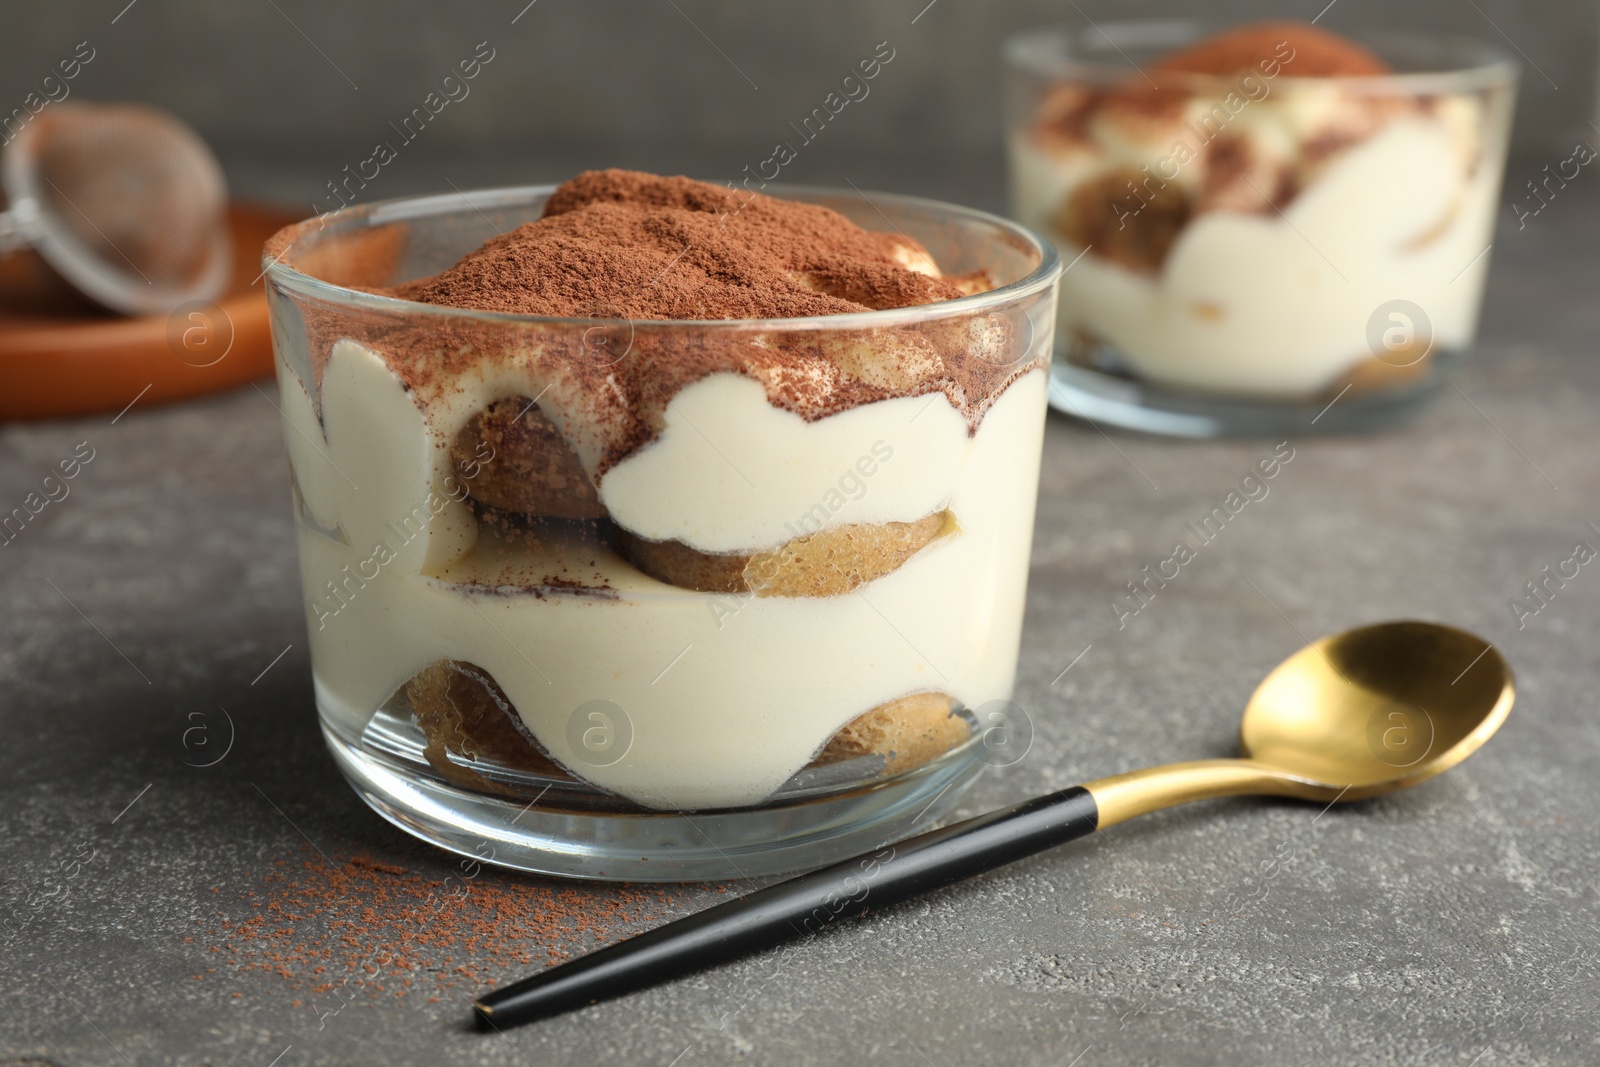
1128	223
1394	370
830	562
463	712
907	732
894	360
909	253
531	468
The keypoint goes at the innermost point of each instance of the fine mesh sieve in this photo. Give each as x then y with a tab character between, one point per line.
124	201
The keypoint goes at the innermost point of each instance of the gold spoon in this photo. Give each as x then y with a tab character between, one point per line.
1351	716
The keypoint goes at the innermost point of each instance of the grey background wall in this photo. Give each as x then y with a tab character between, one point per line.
290	91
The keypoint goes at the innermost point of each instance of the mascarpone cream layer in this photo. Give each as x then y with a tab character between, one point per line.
731	472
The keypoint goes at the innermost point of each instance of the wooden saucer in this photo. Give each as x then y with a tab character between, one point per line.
61	355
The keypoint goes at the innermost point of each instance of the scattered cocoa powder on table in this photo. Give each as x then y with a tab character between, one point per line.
375	928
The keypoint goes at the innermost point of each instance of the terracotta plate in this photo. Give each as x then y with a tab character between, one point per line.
61	355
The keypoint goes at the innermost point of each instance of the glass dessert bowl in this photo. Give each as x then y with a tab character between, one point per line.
705	568
1280	228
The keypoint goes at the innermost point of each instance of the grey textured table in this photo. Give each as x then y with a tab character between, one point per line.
1451	925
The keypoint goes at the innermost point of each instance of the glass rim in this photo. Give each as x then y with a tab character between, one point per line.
401	209
1489	65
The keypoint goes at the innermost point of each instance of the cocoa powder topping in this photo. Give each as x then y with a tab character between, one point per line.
1316	53
619	244
647	253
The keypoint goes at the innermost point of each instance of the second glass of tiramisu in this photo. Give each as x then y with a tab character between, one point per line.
1267	229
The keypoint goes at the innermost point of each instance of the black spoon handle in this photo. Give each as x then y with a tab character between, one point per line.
798	907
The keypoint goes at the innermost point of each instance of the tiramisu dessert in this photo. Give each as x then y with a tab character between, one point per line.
1247	206
651	493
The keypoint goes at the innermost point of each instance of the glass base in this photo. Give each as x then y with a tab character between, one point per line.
573	831
1107	399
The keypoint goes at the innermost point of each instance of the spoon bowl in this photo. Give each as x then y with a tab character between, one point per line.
1378	708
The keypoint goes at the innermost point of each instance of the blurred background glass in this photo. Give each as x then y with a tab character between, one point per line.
1253	245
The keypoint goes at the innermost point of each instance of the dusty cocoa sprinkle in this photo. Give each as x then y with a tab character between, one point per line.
622	245
368	928
1066	113
625	245
1318	53
640	248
